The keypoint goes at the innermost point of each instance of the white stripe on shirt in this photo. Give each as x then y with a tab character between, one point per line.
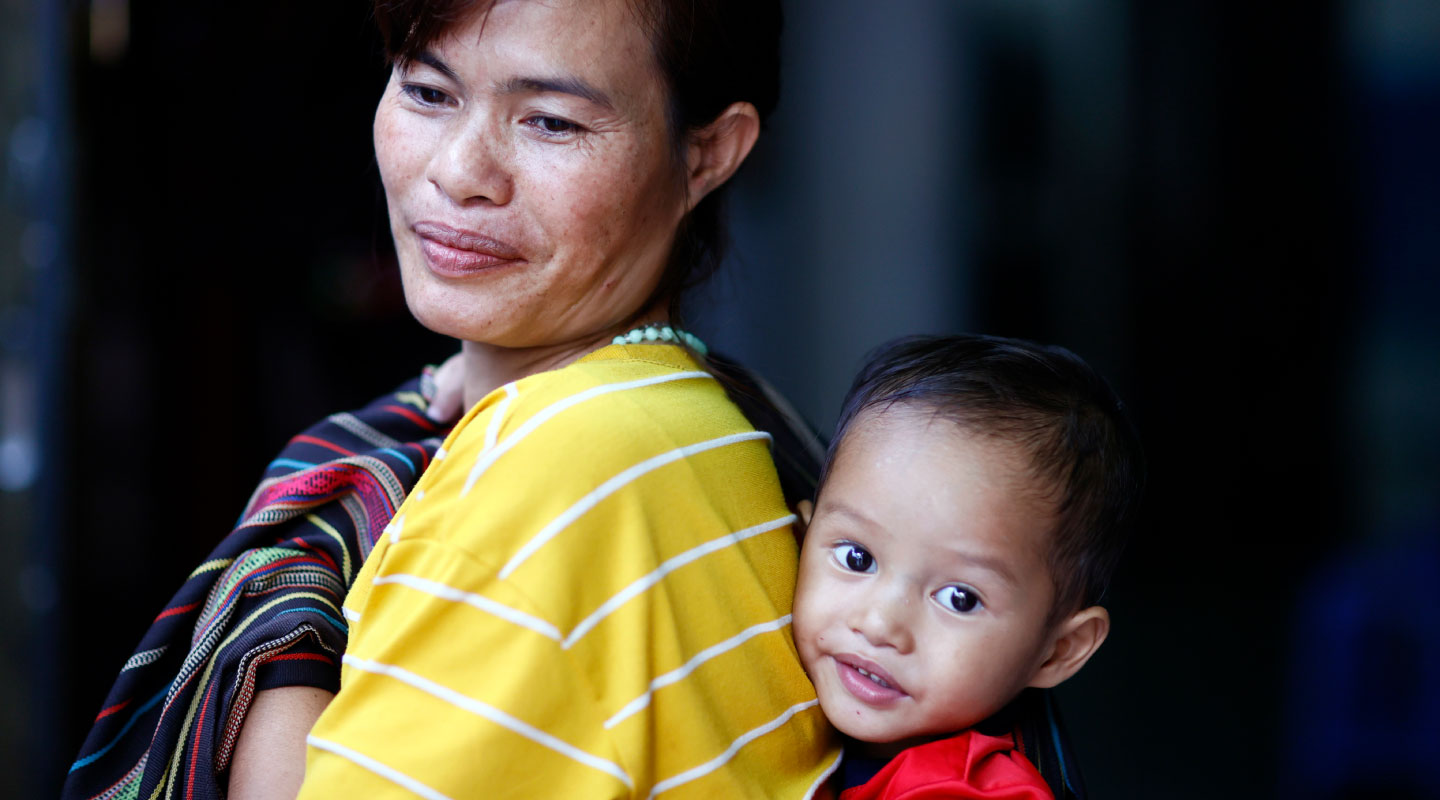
396	525
383	770
824	776
613	485
679	673
481	602
489	457
495	715
719	761
658	574
492	431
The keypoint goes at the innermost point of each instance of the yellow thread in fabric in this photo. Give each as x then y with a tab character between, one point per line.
211	566
340	540
174	765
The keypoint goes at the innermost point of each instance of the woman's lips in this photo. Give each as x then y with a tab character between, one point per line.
877	688
458	253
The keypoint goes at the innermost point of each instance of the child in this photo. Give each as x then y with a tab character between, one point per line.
969	517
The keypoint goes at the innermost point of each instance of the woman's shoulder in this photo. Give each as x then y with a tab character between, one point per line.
593	439
612	365
642	391
597	415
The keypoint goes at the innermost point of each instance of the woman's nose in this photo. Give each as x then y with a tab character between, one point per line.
470	166
884	618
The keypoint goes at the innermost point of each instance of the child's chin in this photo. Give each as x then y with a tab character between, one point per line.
864	727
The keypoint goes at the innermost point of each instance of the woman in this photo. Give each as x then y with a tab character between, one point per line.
587	594
570	592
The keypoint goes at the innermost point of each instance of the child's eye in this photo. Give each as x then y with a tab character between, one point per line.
961	599
854	557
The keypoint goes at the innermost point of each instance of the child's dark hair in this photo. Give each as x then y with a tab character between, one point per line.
1080	439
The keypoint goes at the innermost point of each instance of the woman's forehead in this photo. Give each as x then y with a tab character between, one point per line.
582	30
597	45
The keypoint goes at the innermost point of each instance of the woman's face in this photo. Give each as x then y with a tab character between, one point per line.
532	191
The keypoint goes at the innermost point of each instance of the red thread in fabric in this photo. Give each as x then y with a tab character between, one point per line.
105	712
170	612
195	746
321	442
304	657
412	416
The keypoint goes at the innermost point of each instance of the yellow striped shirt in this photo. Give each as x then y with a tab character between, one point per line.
586	596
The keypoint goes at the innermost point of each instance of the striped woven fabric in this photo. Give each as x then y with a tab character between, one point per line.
262	611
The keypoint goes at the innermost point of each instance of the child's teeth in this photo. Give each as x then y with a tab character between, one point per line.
872	677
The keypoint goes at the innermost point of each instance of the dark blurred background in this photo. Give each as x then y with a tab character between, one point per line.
1231	208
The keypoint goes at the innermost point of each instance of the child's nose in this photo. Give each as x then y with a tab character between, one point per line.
884	620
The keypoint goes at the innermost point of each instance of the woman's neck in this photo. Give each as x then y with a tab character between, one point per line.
488	367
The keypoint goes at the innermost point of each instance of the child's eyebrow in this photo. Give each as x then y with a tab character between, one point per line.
855	514
987	563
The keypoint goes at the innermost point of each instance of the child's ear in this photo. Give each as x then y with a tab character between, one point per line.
1075	639
805	509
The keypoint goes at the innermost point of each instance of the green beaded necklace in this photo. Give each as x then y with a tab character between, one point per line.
662	333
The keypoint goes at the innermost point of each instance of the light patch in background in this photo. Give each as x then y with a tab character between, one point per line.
19	459
1395	37
109	30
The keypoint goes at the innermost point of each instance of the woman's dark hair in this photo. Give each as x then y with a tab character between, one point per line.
1082	445
711	53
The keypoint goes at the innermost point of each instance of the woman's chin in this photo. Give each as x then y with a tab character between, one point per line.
504	327
465	322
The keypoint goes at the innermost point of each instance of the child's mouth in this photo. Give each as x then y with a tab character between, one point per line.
870	684
872	676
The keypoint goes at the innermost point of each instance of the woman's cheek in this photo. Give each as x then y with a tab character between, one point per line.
402	144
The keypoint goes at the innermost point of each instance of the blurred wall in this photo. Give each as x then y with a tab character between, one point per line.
1228	208
36	272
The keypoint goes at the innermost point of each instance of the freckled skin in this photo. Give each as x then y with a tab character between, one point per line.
923	497
593	212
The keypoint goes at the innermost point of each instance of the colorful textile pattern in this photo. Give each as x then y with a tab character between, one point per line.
588	595
968	766
262	611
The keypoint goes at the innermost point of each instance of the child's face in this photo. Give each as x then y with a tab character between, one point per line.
924	594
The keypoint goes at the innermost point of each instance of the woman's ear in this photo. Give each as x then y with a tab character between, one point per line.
714	152
1075	639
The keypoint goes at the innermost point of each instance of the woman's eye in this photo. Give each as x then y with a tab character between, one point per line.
854	558
961	599
554	125
427	95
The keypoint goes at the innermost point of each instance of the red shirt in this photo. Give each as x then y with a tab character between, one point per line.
968	765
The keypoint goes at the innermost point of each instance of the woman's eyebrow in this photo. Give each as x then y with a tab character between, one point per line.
433	61
567	84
